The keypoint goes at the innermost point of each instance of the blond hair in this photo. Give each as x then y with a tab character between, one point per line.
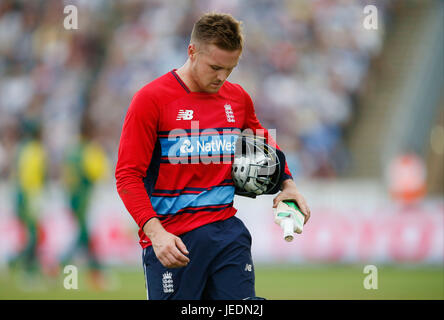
220	29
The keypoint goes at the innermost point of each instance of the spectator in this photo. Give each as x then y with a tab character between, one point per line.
304	62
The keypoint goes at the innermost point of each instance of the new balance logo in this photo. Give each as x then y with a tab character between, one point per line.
229	113
185	115
248	267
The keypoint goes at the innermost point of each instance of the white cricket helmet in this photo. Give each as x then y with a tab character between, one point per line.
257	168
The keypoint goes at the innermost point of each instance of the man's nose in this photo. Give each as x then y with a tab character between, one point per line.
222	75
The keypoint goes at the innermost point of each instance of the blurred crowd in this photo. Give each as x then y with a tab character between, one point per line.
303	64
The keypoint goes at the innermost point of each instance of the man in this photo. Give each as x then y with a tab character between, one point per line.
85	164
193	246
30	177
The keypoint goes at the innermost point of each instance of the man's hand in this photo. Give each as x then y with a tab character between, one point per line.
169	249
290	192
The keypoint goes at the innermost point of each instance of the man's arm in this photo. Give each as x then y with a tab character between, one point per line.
291	192
169	249
288	187
139	135
251	122
137	141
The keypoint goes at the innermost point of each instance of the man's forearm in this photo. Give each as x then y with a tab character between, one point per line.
287	183
153	227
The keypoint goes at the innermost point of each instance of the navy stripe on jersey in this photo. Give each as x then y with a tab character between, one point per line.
180	81
171	205
152	171
190	132
222	159
207	208
165	192
195	210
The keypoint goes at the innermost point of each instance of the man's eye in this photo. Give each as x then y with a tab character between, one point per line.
215	68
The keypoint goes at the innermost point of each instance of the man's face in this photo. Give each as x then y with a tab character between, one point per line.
211	66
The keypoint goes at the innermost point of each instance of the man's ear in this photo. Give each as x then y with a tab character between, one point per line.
192	50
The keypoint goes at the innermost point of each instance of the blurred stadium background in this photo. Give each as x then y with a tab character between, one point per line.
360	114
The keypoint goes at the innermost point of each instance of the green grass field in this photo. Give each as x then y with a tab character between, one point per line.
286	283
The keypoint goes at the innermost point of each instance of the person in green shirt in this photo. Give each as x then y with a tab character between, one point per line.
29	176
85	164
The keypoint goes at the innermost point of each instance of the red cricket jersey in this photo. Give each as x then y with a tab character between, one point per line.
176	150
